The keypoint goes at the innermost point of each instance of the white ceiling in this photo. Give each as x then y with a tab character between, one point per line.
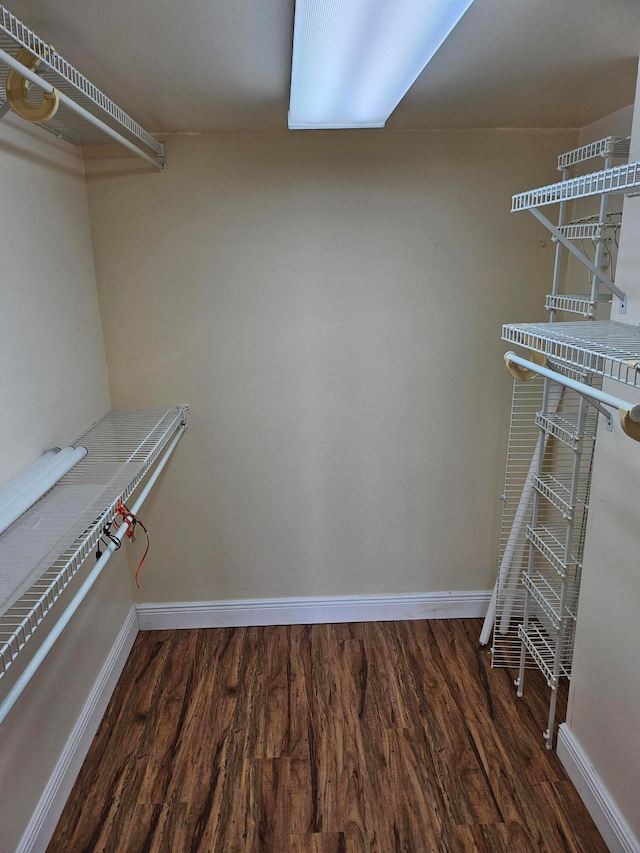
205	65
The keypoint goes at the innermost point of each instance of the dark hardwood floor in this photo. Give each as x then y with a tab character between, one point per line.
383	737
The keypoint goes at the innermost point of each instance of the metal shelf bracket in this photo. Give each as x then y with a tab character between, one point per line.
560	237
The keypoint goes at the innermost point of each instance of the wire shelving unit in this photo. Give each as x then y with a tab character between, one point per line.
553	429
610	146
616	179
85	114
576	303
44	549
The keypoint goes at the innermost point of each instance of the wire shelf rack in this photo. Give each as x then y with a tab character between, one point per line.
67	79
44	549
536	554
547	592
610	146
587	230
542	647
604	347
576	303
549	541
566	431
618	179
524	436
556	488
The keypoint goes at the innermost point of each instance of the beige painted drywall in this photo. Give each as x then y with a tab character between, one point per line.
330	306
52	371
52	386
604	702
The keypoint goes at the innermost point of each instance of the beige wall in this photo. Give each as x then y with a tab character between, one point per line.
330	305
52	371
52	385
604	703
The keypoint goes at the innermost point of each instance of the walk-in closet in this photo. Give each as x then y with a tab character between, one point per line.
320	373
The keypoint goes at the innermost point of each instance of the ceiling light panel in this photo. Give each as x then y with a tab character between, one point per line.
354	60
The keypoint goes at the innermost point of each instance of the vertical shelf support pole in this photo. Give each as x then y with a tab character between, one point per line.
600	245
557	264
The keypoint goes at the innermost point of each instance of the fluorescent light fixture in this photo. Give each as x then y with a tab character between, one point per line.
354	60
26	488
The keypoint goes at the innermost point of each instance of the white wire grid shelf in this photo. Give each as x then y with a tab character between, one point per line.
516	515
587	230
67	79
566	431
617	179
576	303
549	541
532	559
542	647
610	146
604	347
547	591
557	490
44	549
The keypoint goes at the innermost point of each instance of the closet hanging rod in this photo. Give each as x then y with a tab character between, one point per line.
629	412
46	87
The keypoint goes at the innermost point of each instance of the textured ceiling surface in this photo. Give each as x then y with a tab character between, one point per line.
207	65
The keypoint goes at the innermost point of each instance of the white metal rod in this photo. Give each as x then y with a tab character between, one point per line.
580	387
34	664
65	99
60	465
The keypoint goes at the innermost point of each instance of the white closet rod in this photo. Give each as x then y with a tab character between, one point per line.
67	101
34	664
633	410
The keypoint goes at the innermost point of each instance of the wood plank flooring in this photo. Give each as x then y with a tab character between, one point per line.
377	737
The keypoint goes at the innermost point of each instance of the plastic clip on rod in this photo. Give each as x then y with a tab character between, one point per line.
629	412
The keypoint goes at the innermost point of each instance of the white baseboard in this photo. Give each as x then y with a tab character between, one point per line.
614	829
308	611
44	819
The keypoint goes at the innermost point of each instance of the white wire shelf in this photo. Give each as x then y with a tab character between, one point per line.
543	649
610	146
557	490
44	549
68	80
587	230
576	303
565	431
547	593
549	541
603	347
618	179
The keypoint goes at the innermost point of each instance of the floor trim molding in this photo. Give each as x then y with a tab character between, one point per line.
312	610
613	827
44	819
